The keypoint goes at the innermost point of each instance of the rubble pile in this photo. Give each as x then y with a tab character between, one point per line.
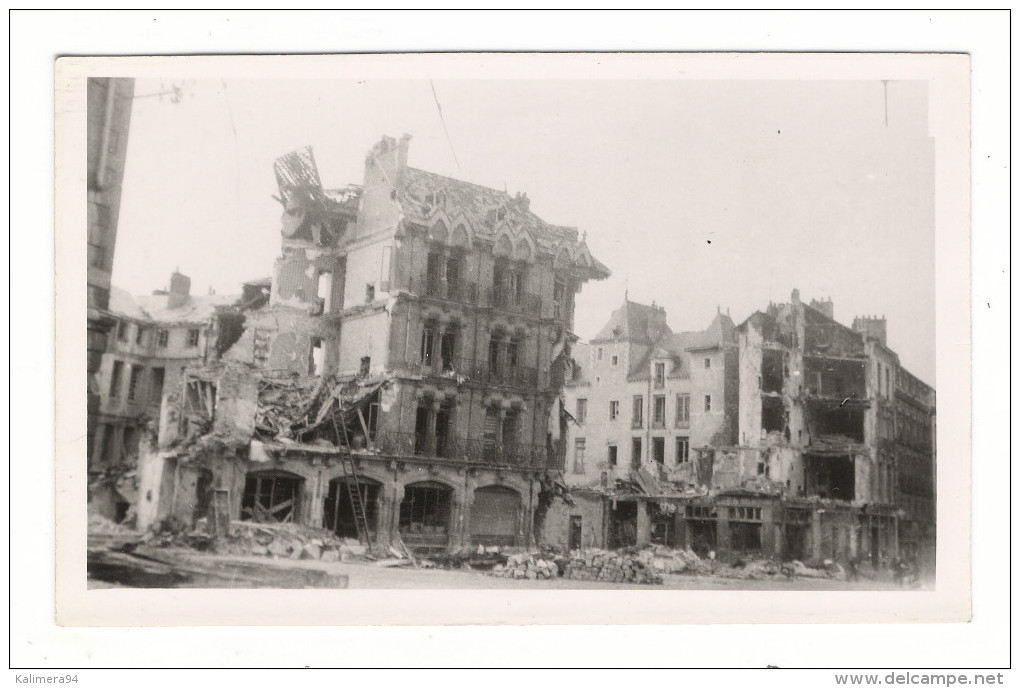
285	402
527	566
100	525
829	569
275	540
617	567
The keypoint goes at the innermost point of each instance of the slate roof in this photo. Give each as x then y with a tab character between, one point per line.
634	322
488	211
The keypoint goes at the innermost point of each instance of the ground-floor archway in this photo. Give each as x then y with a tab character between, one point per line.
426	513
337	512
272	496
496	516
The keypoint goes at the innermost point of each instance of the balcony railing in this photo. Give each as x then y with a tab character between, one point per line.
438	366
508	299
521	377
477	451
462	292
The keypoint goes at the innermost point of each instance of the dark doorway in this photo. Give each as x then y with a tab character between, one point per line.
337	514
575	533
795	536
623	527
271	496
703	534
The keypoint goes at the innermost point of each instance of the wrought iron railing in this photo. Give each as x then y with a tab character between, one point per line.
505	298
460	291
476	451
505	375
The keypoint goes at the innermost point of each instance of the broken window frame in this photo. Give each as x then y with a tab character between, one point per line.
659	450
580	446
683	410
683	450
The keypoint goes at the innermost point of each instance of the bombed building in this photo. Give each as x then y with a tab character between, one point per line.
790	436
153	338
403	380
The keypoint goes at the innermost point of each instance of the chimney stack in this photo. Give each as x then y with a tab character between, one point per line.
824	306
180	289
871	326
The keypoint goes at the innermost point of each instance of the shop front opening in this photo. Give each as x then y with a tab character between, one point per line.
496	517
271	497
623	526
337	513
425	516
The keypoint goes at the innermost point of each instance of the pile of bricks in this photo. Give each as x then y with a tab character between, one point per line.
527	566
612	567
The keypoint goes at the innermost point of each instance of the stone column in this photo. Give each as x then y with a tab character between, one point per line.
644	523
816	534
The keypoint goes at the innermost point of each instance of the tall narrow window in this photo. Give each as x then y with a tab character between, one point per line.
156	388
582	411
614	410
315	357
494	344
447	347
659	411
635	452
366	366
708	403
325	292
683	450
453	290
115	376
683	409
162	338
428	345
433	278
140	335
637	418
135	376
579	449
659	450
660	375
611	454
192	338
122	330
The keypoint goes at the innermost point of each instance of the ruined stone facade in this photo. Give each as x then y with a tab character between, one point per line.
152	340
823	447
441	312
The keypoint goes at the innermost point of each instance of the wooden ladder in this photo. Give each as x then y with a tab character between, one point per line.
354	493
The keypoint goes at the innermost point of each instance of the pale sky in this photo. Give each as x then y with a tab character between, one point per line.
823	186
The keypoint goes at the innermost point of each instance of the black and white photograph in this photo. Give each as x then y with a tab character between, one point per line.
511	334
468	341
